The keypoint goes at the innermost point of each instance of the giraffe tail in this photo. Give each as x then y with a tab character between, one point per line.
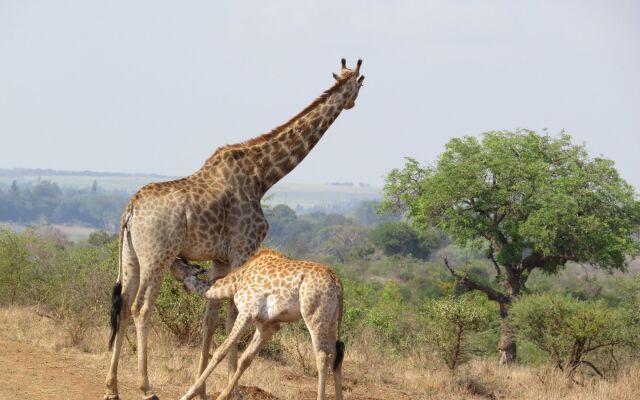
116	296
116	306
337	361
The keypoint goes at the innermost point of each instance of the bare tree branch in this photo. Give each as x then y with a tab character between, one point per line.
612	343
593	367
469	285
495	263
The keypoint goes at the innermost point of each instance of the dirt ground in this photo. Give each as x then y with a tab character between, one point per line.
37	361
31	372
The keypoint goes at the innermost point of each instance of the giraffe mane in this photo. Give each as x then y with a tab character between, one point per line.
269	135
266	251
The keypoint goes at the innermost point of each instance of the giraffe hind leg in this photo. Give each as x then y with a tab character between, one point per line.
129	287
152	271
321	322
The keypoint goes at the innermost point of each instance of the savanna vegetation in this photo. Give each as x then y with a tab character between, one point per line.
514	237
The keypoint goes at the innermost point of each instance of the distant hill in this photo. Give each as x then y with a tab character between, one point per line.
304	197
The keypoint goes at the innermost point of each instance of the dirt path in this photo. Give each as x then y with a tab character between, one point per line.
31	372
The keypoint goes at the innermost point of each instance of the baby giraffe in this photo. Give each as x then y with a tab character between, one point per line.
267	290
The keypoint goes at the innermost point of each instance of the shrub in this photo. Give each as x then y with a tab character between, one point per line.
573	333
70	284
16	266
450	321
181	312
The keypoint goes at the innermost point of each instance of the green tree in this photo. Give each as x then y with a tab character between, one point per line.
100	238
347	241
367	213
398	237
14	190
46	189
535	201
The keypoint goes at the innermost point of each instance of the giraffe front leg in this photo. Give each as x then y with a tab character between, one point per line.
147	294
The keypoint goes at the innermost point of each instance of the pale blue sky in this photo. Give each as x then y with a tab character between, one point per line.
156	86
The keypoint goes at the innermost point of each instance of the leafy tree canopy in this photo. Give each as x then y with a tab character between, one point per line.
538	200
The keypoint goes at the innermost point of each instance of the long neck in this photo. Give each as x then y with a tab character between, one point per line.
224	288
268	158
276	157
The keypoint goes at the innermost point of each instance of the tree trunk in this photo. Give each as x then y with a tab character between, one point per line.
507	348
513	284
507	344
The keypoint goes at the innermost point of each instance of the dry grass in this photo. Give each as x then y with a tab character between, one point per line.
368	373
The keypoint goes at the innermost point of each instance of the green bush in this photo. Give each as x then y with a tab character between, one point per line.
71	284
181	312
383	311
450	323
573	333
16	267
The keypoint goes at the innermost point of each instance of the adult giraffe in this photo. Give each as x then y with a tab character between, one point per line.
214	214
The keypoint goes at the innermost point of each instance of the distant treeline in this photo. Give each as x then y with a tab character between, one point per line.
53	172
46	202
355	234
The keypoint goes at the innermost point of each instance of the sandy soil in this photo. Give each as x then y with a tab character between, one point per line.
32	372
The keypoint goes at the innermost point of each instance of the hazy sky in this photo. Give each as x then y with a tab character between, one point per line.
157	86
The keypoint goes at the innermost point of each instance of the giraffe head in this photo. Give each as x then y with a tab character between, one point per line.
353	82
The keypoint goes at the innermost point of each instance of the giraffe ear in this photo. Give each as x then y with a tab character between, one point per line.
335	76
361	79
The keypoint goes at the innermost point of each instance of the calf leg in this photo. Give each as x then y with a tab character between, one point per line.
232	357
239	328
263	333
